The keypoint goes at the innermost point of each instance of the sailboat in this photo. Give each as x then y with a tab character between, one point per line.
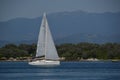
45	47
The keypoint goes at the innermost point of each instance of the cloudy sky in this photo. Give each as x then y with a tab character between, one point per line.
10	9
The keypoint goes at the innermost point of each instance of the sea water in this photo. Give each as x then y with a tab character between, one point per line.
98	70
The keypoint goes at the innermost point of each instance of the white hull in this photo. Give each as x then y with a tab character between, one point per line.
44	63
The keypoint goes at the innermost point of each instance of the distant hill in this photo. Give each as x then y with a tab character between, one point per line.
66	27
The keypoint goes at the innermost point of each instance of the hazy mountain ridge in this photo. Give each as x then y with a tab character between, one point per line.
66	27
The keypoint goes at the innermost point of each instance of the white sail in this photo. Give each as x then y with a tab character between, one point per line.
45	44
51	52
41	40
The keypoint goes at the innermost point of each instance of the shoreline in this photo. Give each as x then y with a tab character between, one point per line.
85	60
27	59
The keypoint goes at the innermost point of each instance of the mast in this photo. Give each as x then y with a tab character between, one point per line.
45	34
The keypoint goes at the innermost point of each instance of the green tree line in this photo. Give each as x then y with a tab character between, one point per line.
68	51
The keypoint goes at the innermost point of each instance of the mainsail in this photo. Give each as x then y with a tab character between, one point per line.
45	45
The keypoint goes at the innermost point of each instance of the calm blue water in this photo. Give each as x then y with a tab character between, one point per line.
66	71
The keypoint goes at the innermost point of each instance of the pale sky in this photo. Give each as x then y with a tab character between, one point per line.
10	9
